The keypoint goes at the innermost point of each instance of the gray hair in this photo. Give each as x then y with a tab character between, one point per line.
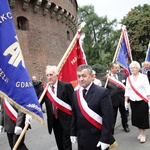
135	63
94	72
84	66
54	68
146	62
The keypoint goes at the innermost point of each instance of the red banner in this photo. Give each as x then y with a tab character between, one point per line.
75	58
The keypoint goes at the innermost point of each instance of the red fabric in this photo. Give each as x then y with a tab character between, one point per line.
126	72
59	106
143	98
116	83
74	59
86	115
9	113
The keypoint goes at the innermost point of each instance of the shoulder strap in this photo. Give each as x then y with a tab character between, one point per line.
11	112
115	81
88	113
142	97
60	104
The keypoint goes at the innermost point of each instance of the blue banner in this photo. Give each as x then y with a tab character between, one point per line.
15	83
148	54
123	57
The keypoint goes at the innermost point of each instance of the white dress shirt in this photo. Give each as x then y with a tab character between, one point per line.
141	85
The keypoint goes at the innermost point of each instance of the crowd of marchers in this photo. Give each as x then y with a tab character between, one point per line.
87	115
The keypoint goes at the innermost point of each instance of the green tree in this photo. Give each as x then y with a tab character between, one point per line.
100	40
137	22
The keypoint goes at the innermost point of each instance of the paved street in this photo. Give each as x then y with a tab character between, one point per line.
39	139
36	139
128	141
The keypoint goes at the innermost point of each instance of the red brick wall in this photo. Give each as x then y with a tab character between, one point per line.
46	40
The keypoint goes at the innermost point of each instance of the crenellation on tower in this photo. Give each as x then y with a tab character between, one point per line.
46	8
37	5
25	4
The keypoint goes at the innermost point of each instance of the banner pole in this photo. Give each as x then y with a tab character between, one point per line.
20	137
27	125
62	61
116	52
118	46
43	94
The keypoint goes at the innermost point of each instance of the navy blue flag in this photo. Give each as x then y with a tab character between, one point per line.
15	83
148	54
123	56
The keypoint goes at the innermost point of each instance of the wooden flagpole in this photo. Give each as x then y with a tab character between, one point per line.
61	63
115	144
20	137
116	52
68	51
118	46
27	125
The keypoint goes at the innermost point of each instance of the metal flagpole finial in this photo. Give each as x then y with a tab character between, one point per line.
123	27
82	24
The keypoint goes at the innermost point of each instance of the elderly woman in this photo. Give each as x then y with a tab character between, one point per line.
138	91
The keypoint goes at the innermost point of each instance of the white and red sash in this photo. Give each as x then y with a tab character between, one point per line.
58	102
10	111
88	113
115	81
136	92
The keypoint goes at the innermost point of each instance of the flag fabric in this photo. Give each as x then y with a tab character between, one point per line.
75	58
148	54
124	56
15	83
125	36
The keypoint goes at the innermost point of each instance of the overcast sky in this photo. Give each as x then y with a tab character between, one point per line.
113	8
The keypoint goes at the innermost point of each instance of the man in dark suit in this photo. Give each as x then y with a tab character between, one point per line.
57	98
116	85
38	87
91	113
146	69
12	125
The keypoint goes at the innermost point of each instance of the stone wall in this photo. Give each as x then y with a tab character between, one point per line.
45	30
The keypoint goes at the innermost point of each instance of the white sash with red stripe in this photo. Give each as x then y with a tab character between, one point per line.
88	113
58	102
115	81
10	110
136	92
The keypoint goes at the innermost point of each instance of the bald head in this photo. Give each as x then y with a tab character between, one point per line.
34	78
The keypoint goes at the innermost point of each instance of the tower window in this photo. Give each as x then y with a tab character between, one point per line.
22	23
68	35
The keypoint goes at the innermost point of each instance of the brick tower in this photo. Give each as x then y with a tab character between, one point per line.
45	29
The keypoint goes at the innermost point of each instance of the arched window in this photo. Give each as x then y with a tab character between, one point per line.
68	35
22	23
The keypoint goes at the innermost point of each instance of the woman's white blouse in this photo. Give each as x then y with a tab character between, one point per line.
141	85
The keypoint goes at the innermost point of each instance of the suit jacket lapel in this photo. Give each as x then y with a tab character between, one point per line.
59	88
119	77
89	95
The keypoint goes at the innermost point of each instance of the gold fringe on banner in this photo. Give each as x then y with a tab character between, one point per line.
21	108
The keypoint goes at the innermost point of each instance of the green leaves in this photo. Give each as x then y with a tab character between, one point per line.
99	40
101	36
137	22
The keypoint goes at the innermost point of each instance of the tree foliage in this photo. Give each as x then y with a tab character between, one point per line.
100	40
137	22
